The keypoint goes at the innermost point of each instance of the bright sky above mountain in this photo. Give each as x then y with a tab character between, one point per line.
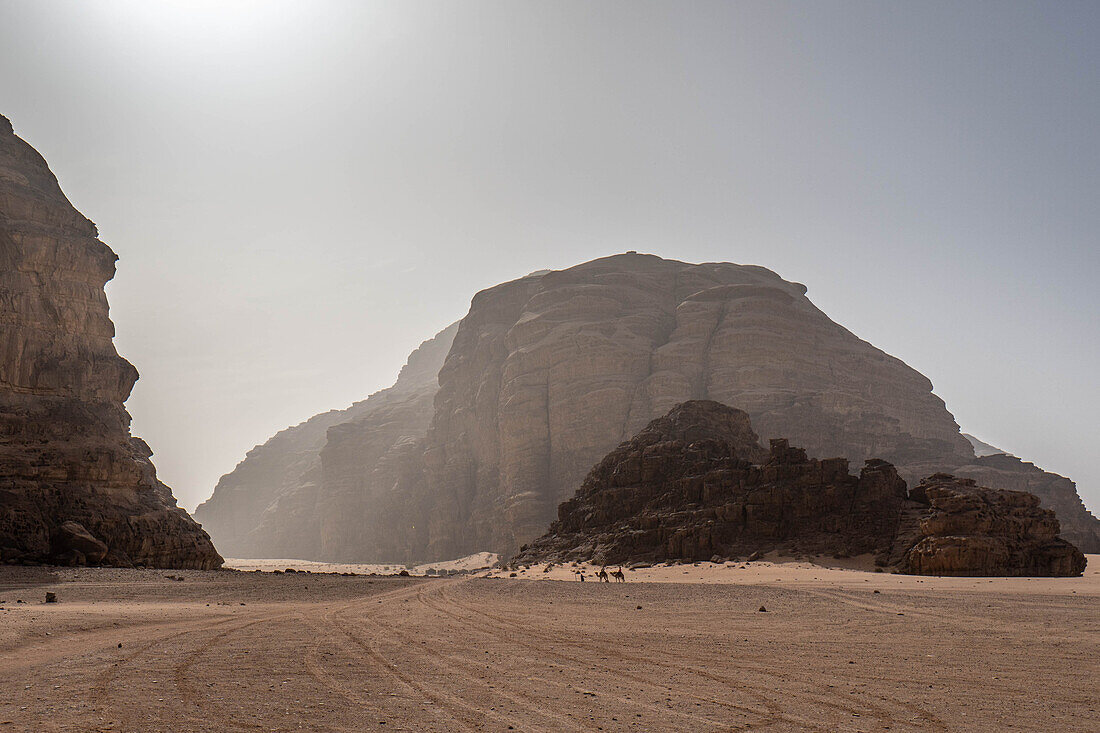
300	193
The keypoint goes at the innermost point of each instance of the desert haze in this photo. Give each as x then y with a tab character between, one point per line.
567	366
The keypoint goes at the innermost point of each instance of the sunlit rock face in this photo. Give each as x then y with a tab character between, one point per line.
74	485
548	373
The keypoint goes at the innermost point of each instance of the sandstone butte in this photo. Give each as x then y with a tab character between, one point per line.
548	373
75	487
696	485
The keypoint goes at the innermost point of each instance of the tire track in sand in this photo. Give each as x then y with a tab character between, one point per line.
469	716
576	666
689	664
100	690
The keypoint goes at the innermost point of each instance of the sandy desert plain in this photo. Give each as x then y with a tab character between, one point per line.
680	648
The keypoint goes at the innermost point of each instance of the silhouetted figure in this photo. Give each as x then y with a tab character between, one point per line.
618	575
602	575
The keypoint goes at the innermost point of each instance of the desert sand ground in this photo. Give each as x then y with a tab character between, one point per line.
683	648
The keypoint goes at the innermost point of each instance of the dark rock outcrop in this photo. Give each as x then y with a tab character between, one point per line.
696	483
1057	493
966	529
72	537
74	485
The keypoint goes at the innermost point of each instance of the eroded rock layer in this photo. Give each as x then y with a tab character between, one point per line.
74	485
966	529
1056	493
695	484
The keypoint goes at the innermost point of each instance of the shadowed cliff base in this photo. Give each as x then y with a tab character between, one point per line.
548	373
75	487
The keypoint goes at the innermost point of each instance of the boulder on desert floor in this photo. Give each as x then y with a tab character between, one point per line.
72	536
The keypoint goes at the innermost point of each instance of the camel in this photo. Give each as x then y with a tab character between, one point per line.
602	575
618	575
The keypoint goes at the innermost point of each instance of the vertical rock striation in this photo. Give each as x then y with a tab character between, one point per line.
74	485
547	374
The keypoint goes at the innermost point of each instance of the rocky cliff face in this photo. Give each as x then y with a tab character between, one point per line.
278	503
74	485
969	530
548	373
696	483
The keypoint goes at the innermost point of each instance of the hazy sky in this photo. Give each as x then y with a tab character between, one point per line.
302	192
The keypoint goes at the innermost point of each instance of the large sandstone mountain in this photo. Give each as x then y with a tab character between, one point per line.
548	373
74	485
313	489
695	484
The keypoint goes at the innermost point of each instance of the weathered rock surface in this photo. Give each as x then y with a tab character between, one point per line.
547	374
1057	493
969	530
696	483
72	537
74	485
276	502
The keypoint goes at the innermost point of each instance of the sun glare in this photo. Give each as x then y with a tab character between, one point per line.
203	21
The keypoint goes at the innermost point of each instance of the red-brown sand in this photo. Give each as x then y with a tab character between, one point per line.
682	648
